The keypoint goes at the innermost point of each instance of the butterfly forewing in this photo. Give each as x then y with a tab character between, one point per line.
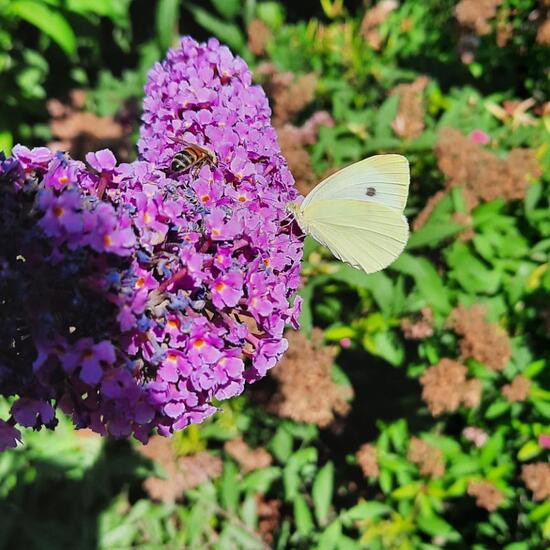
382	179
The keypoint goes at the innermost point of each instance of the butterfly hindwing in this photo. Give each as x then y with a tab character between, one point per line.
364	234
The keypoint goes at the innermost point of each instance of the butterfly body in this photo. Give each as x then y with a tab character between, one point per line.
357	213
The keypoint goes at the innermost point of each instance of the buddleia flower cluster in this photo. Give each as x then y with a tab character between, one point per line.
135	298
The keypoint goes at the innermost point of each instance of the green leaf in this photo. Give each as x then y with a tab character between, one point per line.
385	481
228	33
433	234
365	510
470	272
329	537
229	488
379	284
337	332
105	8
448	445
47	20
497	408
249	511
435	526
491	449
6	142
542	407
517	546
388	346
167	22
385	116
399	434
291	473
529	450
281	444
310	244
302	516
534	368
306	315
408	491
260	481
322	491
427	280
229	9
540	512
271	13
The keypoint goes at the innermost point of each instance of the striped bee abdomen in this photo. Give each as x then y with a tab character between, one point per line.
192	156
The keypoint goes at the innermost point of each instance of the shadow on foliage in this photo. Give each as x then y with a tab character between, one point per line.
53	506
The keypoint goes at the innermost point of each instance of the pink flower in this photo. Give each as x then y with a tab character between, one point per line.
480	137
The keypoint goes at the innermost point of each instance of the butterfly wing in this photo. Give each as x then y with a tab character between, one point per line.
382	179
364	234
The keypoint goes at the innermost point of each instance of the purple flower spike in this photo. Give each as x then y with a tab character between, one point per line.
137	281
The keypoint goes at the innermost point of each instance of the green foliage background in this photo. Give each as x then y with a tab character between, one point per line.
63	491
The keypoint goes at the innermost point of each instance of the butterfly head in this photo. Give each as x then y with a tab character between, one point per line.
292	207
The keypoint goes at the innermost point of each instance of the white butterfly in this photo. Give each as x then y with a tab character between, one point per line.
358	212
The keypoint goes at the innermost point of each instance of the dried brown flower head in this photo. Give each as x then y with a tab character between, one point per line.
486	494
367	460
418	329
543	33
289	94
306	392
476	14
298	159
445	387
269	517
247	458
485	342
292	140
259	35
488	177
182	473
537	478
409	122
77	132
518	389
373	18
428	458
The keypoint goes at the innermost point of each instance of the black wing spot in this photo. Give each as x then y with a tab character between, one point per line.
371	191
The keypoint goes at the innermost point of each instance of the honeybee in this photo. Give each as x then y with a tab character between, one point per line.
192	156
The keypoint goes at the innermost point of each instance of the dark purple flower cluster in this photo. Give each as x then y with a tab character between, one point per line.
132	296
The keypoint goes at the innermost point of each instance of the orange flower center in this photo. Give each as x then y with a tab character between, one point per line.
140	282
